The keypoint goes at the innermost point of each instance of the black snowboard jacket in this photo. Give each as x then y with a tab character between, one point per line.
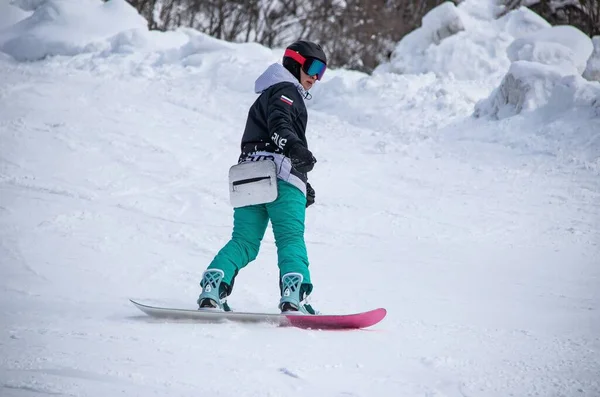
276	122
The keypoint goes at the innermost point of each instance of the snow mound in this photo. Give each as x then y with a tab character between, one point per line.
441	22
462	41
574	92
592	70
529	86
10	15
564	46
49	30
98	30
418	48
28	5
545	73
521	22
190	53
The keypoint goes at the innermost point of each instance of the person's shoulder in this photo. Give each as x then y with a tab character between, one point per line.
291	90
285	90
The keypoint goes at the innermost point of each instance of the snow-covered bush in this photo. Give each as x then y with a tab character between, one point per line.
48	31
592	70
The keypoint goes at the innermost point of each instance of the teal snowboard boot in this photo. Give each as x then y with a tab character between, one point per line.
214	291
294	294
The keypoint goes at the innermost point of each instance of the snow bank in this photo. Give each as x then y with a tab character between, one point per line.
463	41
70	27
592	70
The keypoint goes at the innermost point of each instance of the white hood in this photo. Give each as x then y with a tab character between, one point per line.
275	74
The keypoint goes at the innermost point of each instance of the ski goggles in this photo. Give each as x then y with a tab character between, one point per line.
310	66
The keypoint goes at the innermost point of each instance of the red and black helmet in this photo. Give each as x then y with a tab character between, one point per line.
306	55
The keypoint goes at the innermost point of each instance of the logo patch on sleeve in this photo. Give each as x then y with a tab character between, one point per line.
287	100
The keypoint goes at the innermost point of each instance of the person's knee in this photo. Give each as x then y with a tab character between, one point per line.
251	248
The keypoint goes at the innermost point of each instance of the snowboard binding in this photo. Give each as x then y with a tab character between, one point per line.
294	295
214	291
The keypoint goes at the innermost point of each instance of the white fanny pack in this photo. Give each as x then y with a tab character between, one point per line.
253	182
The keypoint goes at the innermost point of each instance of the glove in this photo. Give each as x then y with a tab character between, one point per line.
302	158
310	195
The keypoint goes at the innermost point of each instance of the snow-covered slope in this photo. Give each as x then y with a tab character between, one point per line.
480	236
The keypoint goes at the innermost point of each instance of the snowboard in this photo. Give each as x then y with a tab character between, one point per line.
305	321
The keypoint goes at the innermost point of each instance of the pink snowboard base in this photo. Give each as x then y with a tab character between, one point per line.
318	321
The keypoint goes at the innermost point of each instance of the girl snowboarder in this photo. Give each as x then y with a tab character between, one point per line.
275	131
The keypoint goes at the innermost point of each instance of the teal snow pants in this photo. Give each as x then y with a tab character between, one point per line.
287	214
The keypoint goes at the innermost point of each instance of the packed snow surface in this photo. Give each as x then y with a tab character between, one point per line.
479	235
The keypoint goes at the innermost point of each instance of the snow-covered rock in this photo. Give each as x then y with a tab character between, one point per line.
592	70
